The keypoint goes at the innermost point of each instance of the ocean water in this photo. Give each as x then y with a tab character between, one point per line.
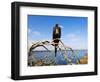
60	58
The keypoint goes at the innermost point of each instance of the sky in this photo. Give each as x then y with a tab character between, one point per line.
74	31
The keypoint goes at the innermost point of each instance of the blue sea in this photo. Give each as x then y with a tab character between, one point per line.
59	59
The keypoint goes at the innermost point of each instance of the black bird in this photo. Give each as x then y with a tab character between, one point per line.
56	36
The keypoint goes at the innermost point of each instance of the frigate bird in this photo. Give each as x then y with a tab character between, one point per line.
57	44
56	36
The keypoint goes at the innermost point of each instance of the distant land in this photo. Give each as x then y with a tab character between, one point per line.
62	50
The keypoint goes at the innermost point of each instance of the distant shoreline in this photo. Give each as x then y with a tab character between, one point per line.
62	50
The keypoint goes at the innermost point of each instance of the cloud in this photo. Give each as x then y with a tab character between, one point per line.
74	41
72	37
29	30
36	33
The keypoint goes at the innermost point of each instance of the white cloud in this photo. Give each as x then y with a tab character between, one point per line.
29	30
74	41
73	37
77	45
36	33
